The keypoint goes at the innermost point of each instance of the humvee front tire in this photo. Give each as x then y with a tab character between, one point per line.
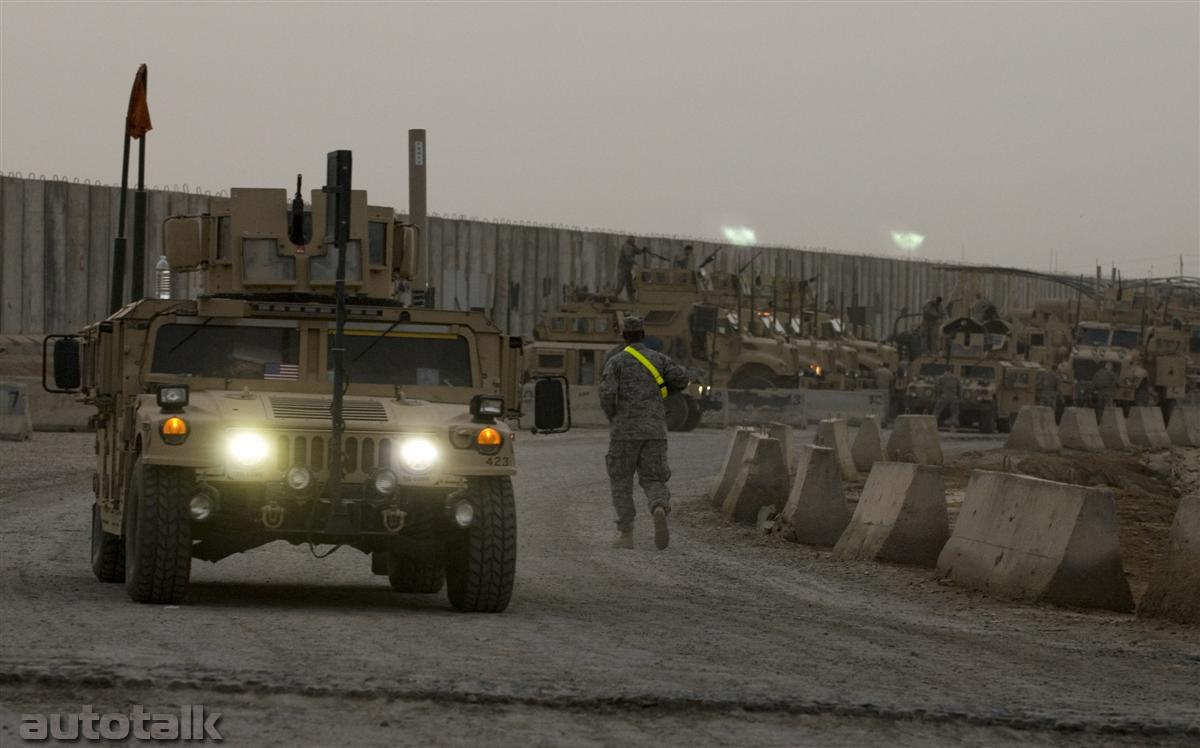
482	561
158	534
406	575
108	552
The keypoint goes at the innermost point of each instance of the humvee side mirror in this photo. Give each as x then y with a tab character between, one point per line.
185	239
68	375
551	409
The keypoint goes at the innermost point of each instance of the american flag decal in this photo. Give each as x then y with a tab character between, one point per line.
282	372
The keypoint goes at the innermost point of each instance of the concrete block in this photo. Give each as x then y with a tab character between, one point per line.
732	465
782	432
1113	430
901	516
1079	430
762	481
1146	428
16	423
914	439
1174	591
1184	426
1034	430
1037	540
832	432
816	509
868	445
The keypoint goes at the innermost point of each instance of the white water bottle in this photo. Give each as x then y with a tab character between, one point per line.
162	277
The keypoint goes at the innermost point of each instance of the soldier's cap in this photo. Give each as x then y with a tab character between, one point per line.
632	323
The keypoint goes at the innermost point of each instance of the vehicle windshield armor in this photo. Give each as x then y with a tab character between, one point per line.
419	359
1126	338
227	351
935	370
1097	336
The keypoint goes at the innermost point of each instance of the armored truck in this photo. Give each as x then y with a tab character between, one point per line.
218	428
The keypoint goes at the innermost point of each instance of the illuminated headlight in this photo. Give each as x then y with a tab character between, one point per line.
247	449
385	482
172	396
418	455
298	478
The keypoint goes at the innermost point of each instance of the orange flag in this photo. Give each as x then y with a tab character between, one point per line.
137	120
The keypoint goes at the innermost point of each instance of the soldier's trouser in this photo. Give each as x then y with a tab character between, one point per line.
626	281
1101	404
647	458
944	403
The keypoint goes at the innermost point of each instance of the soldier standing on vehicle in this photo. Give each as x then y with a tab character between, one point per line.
931	318
1047	388
684	261
625	264
1103	384
633	387
948	389
883	381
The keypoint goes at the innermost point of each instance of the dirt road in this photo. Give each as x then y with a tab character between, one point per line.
724	639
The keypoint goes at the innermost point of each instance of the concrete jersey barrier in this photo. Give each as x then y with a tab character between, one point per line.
16	422
832	432
1034	430
914	438
816	510
868	445
762	481
1037	540
1079	430
783	433
1146	428
1184	426
1113	431
901	516
1174	591
732	465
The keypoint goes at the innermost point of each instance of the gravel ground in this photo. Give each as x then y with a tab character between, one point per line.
726	638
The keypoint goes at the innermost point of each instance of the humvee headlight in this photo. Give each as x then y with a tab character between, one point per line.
172	396
385	482
298	478
247	448
418	455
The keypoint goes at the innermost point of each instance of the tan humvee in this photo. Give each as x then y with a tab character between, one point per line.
213	424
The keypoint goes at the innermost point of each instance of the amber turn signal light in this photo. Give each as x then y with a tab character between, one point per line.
489	437
174	430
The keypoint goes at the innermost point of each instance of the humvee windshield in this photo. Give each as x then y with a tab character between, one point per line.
406	358
225	351
979	372
1093	336
934	370
1126	338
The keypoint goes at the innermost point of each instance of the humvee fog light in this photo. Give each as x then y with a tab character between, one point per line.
200	507
247	449
464	514
385	482
418	455
298	478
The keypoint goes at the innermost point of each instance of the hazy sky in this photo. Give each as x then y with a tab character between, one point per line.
1011	133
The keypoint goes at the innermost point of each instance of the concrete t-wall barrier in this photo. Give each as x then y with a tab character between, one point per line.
914	438
851	405
816	512
56	244
832	433
868	445
762	481
901	516
1078	430
1113	430
1146	428
1184	426
1037	540
732	465
1034	430
16	424
1174	591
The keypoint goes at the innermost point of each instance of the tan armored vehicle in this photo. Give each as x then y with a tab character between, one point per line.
214	432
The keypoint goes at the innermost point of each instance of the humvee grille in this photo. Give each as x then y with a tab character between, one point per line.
352	410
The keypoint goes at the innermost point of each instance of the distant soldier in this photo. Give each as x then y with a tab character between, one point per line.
633	387
948	389
884	378
931	319
1104	383
1047	388
625	264
684	261
983	310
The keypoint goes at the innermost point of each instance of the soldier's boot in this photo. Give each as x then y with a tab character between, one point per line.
624	538
662	533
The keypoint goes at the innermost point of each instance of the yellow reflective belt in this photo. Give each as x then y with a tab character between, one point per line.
662	386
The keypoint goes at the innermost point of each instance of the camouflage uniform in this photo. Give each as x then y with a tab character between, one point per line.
883	381
931	318
637	419
1103	383
625	265
948	389
1047	388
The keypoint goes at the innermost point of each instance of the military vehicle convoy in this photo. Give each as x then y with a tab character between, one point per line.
225	422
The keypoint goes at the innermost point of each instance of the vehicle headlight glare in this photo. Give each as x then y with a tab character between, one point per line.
247	448
418	455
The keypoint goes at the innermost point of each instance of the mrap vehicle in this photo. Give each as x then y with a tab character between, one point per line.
218	427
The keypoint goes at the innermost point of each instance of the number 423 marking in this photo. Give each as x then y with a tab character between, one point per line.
499	461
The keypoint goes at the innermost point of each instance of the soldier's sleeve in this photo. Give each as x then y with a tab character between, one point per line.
609	389
674	375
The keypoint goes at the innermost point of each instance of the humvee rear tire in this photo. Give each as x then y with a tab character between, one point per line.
677	411
482	560
406	575
108	552
694	415
158	534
